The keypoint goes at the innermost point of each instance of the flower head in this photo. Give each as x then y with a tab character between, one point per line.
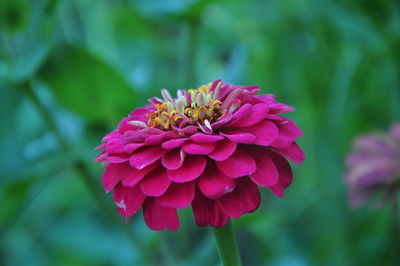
210	148
374	167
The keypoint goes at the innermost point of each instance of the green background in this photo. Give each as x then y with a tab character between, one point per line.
71	69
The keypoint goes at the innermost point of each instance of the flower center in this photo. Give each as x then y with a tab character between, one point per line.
192	107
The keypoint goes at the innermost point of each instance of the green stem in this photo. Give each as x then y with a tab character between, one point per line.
227	246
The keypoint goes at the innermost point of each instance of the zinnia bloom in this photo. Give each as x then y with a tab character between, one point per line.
209	148
374	167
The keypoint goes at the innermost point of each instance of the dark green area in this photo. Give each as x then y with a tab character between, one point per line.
70	70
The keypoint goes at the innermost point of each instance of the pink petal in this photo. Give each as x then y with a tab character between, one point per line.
239	164
223	150
258	113
214	184
191	169
158	217
277	108
115	145
242	113
208	212
284	139
285	174
173	159
156	139
135	176
239	137
129	148
178	196
145	157
128	200
139	114
293	152
244	199
172	144
265	131
155	183
191	147
117	157
202	138
222	121
113	174
267	173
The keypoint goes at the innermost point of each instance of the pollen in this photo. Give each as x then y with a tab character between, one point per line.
192	107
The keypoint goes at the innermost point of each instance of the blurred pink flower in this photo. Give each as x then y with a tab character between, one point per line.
374	167
209	148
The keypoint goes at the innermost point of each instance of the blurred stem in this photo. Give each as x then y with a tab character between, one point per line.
191	48
227	246
88	178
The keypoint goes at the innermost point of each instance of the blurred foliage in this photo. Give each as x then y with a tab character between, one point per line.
89	62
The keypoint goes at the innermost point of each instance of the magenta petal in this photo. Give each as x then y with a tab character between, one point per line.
173	159
145	157
293	152
265	131
239	164
129	148
214	184
277	108
172	144
202	138
113	174
208	212
266	174
128	200
242	113
191	169
244	199
223	150
285	174
239	137
158	217
191	147
135	176
155	183
161	137
117	157
178	195
285	138
258	113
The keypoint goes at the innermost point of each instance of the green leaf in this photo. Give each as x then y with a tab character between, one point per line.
87	85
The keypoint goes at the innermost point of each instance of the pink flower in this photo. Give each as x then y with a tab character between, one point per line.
373	167
210	148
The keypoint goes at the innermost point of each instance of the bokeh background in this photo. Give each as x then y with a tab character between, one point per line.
70	69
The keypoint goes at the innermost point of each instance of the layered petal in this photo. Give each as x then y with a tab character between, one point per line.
191	169
223	150
265	131
158	217
128	200
239	164
204	148
173	159
155	183
292	152
178	195
145	157
135	176
244	199
266	174
239	136
113	175
214	184
208	212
